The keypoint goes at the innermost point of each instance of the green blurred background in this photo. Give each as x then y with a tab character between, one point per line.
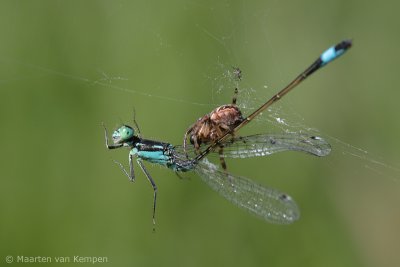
67	66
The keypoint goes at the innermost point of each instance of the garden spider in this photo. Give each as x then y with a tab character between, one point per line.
223	122
214	125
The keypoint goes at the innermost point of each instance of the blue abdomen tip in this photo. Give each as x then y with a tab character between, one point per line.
335	51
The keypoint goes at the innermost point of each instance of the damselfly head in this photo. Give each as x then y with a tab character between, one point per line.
123	134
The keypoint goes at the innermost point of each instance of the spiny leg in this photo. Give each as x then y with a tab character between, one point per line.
189	131
238	75
131	174
222	158
193	140
113	146
153	184
136	124
234	98
224	167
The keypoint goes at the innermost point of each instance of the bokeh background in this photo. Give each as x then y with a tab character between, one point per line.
67	66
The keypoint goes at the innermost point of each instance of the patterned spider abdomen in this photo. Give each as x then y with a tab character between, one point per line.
212	126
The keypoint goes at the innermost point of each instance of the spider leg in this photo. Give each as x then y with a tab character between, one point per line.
221	158
196	144
189	131
234	98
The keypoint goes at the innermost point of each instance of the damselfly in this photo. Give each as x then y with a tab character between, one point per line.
224	121
268	204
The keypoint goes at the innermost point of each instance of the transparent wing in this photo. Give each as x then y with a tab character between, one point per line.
267	144
267	203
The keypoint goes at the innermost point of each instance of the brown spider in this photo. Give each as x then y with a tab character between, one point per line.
224	121
213	126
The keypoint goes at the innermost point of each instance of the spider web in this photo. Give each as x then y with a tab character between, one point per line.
282	117
268	51
220	77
